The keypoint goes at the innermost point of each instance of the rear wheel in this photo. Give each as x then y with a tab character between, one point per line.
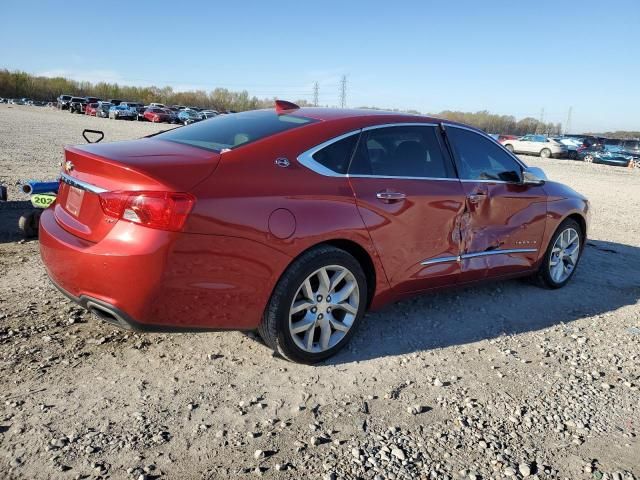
545	153
28	224
316	305
562	255
509	147
588	158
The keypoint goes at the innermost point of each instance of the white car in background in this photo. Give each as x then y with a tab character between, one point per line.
537	145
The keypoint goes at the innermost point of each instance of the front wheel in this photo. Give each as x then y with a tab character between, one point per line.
509	147
315	306
545	153
588	158
562	255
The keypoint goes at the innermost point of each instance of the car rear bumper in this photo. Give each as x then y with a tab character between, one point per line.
148	279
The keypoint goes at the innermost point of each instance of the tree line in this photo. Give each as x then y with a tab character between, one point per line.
21	84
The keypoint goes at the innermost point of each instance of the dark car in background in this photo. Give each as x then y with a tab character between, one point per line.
114	101
77	104
102	110
64	101
117	112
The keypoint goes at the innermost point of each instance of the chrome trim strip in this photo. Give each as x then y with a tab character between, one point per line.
74	182
498	252
440	260
306	158
465	256
489	137
407	124
447	179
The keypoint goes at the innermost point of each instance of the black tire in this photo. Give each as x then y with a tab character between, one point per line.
573	155
543	276
274	328
509	147
28	224
545	153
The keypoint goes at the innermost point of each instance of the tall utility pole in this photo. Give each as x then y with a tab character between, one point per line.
343	91
316	89
567	126
540	127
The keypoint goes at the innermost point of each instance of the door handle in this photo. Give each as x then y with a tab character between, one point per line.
477	197
389	196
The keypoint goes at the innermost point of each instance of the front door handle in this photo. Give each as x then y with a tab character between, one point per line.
477	197
390	196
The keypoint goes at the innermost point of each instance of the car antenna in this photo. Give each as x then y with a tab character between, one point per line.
284	106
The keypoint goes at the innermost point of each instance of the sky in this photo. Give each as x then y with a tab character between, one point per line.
509	57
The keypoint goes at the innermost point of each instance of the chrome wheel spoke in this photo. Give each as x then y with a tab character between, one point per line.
303	325
344	293
338	325
325	281
325	335
308	339
301	305
306	290
347	307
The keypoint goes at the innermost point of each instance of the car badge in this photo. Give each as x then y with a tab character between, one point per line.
282	162
68	166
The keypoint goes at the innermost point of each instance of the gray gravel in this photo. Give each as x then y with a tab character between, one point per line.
499	381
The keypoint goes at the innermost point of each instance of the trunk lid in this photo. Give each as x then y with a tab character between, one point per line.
140	165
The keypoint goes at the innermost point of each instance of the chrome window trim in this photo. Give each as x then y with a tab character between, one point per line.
306	157
466	256
74	182
407	124
488	137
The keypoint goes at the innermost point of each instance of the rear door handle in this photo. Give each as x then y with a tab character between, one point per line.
477	197
389	196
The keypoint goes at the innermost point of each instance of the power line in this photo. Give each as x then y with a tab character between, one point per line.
343	91
316	89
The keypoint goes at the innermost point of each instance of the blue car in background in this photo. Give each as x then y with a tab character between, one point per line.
122	111
600	155
188	116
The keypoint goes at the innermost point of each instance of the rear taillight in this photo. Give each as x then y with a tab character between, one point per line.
161	210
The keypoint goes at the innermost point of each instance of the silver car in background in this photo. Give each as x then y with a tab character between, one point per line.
541	145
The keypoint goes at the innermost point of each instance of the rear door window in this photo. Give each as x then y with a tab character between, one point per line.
231	131
336	157
402	151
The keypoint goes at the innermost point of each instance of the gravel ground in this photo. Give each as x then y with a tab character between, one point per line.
499	381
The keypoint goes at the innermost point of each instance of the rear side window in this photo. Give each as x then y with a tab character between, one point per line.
231	131
411	151
480	158
336	156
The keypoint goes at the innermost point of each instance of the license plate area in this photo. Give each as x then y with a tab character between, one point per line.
74	200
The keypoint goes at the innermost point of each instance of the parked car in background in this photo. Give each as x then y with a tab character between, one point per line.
189	116
117	112
63	101
76	104
303	256
157	105
613	144
536	145
102	110
91	109
157	115
114	101
204	114
599	154
572	145
631	147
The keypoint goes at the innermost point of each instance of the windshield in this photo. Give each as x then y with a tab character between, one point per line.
230	131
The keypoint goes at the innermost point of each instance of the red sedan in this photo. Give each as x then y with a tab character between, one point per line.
295	221
91	109
156	115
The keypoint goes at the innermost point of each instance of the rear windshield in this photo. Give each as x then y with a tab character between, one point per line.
230	131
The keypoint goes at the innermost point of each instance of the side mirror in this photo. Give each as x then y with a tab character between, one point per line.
533	176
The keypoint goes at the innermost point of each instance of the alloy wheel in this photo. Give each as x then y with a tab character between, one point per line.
324	308
564	255
588	159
